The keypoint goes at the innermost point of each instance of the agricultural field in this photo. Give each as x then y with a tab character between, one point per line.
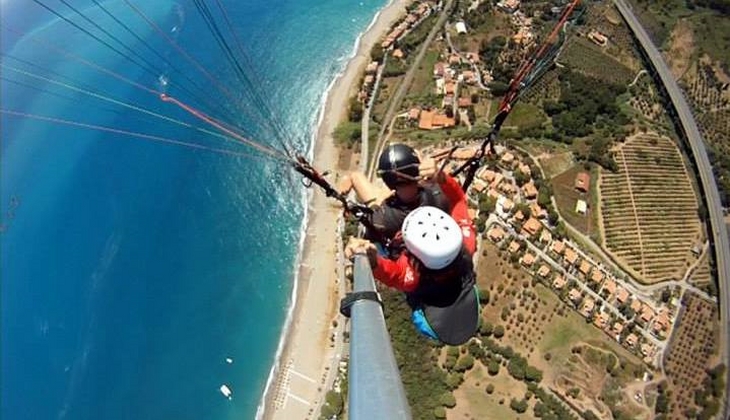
588	58
691	351
649	209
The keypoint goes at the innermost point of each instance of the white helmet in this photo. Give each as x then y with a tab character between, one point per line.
432	236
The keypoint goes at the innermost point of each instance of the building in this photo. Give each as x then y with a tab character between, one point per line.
508	158
439	69
601	320
587	308
372	68
528	259
598	38
574	295
622	295
529	190
609	287
460	27
631	340
559	282
487	175
398	53
509	6
514	246
414	113
581	207
583	181
597	276
532	226
538	211
585	267
617	328
544	271
558	247
647	313
525	169
496	233
636	305
519	217
431	120
571	257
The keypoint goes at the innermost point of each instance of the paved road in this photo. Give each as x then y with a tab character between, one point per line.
719	233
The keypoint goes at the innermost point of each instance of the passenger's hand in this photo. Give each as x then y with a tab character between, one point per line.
345	185
358	246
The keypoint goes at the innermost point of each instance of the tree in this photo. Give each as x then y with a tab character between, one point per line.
518	406
465	363
486	329
498	88
493	367
355	110
439	412
498	331
447	400
484	296
490	389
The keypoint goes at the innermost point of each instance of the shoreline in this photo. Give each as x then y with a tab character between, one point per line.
297	381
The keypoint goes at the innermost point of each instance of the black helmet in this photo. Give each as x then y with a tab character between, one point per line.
397	164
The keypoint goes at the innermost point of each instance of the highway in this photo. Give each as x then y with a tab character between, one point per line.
719	232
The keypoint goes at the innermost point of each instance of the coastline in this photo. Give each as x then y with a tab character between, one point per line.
298	380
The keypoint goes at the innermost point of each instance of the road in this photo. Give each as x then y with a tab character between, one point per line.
719	232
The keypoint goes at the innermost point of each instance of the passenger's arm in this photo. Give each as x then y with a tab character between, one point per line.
460	211
396	273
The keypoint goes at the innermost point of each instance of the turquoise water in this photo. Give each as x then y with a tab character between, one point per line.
131	269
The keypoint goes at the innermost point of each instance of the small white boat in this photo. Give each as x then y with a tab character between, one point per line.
229	360
226	391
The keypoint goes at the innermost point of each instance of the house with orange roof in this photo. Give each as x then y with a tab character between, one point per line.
636	305
528	259
497	181
487	175
583	181
532	226
413	113
478	187
508	158
464	154
585	267
369	79
529	190
610	287
454	59
514	246
597	275
508	188
496	233
525	169
372	68
449	88
571	257
538	211
622	295
544	271
519	216
468	77
398	53
588	305
597	37
647	313
601	320
430	120
472	57
574	295
617	328
558	247
559	282
661	324
439	69
631	340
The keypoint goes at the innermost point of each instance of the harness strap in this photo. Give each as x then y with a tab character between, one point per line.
350	299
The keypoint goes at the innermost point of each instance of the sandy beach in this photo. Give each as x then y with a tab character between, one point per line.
308	356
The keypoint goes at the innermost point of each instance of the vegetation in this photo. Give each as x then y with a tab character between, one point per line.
652	232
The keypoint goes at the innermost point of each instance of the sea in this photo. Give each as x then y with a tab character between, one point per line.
145	259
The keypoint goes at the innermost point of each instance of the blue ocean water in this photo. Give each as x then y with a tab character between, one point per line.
131	269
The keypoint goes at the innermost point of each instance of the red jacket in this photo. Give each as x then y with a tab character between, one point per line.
399	273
